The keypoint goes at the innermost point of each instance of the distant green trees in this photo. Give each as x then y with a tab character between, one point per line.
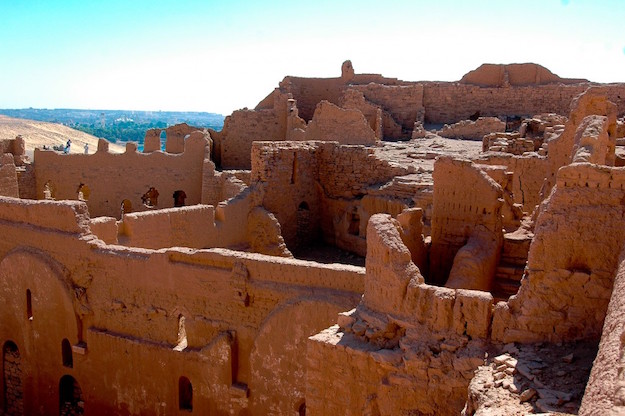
124	131
119	125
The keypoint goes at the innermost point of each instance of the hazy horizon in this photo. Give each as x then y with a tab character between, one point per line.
216	57
109	109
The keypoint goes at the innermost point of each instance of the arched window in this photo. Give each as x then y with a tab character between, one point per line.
29	305
83	192
150	198
181	342
185	394
179	198
66	351
163	139
301	410
125	208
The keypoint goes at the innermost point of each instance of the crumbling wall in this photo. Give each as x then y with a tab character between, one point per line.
472	130
234	223
347	175
175	136
105	228
264	233
269	121
242	128
16	147
346	126
119	305
498	75
8	176
507	143
413	347
593	143
288	172
465	198
152	140
355	100
308	92
173	227
593	101
347	171
451	102
314	189
528	176
113	178
403	103
218	186
571	262
604	392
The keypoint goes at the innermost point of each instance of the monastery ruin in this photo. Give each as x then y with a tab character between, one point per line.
357	245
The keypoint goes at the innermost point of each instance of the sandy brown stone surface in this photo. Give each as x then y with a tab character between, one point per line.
421	153
39	133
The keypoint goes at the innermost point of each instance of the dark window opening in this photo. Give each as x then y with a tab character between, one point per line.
185	394
150	198
179	198
354	223
66	351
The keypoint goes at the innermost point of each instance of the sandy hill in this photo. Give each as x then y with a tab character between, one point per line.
39	133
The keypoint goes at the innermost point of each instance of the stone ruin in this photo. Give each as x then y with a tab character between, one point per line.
353	245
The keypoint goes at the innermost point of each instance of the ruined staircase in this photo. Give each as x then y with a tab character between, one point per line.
511	265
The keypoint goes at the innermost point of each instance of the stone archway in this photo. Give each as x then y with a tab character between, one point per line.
278	357
70	397
37	314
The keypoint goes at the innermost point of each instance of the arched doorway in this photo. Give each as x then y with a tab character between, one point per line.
12	374
185	394
70	397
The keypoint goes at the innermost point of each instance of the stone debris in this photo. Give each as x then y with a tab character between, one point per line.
535	383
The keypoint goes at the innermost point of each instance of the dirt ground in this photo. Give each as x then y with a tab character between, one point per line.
39	133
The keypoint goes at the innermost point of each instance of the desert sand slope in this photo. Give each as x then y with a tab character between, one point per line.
39	133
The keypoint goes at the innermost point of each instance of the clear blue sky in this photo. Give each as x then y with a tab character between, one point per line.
219	56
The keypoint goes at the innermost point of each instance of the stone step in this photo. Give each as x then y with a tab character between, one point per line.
507	280
504	288
514	261
509	272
